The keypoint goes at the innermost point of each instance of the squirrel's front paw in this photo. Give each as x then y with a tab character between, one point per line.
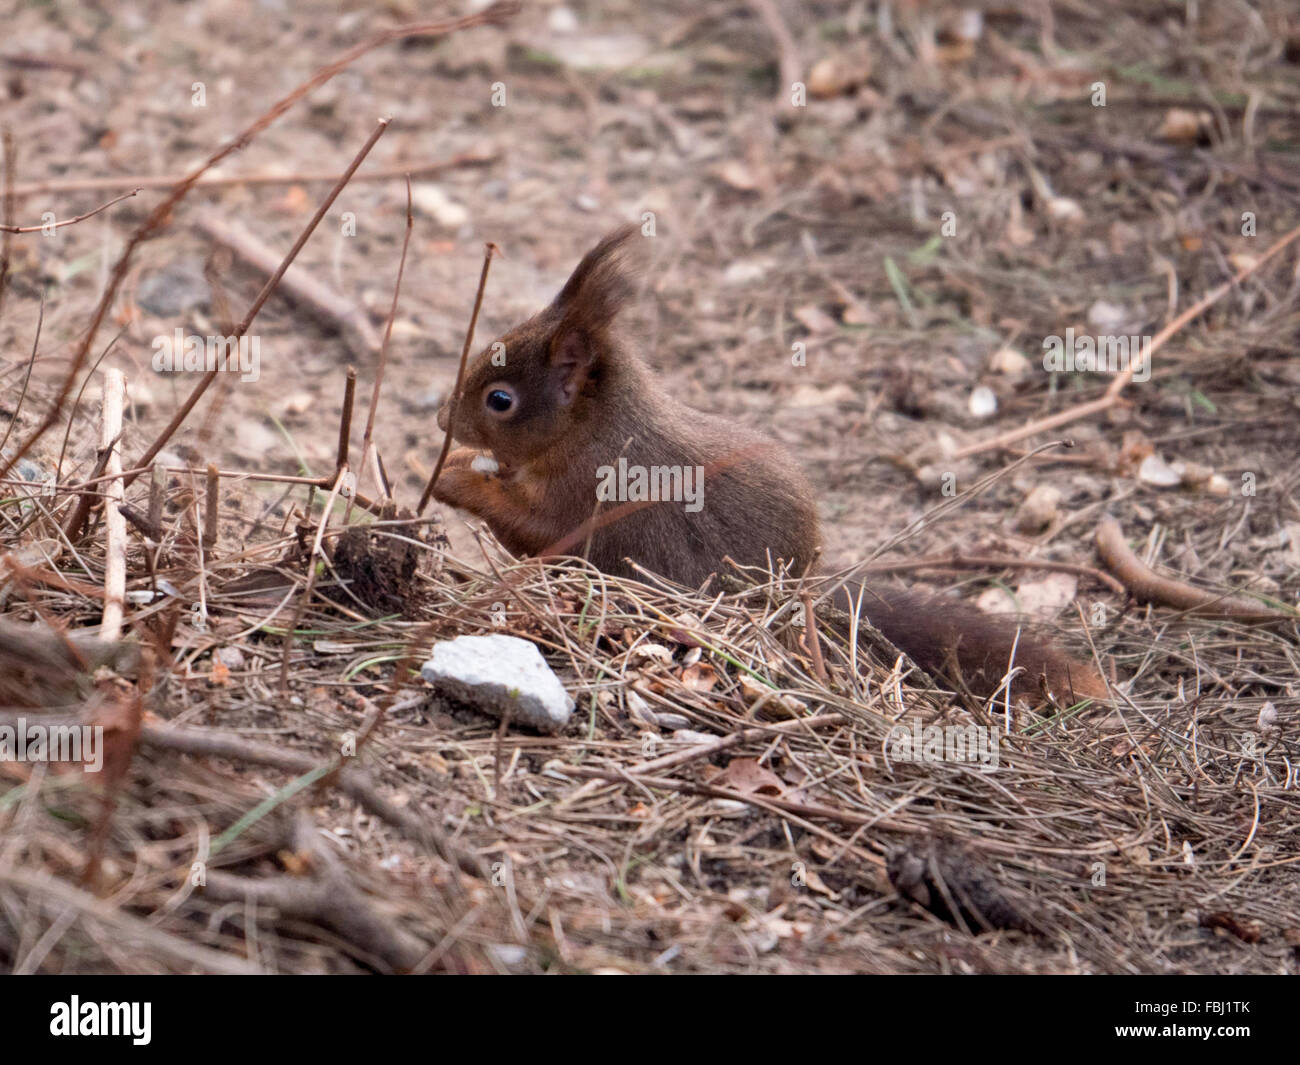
459	484
458	458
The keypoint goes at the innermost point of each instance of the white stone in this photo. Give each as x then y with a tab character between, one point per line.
983	402
1156	471
431	200
562	20
500	675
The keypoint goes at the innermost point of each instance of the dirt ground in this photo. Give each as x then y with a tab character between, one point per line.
867	272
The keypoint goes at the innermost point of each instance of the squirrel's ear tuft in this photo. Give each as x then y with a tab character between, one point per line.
601	286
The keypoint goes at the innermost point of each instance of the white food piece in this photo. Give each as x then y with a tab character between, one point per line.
484	464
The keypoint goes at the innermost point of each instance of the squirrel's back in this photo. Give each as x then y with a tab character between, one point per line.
727	492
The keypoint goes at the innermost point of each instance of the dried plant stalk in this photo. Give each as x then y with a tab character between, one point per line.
110	433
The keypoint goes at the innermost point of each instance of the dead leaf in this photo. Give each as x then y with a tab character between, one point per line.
1157	472
815	320
1180	126
1018	234
656	651
1124	746
815	883
746	776
639	709
856	313
1039	509
700	677
738	175
1134	447
1066	211
295	864
767	702
1223	920
1008	361
682	631
746	271
835	75
294	200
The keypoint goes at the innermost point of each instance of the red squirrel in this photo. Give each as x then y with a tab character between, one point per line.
559	400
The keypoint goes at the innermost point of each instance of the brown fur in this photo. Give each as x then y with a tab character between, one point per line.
582	400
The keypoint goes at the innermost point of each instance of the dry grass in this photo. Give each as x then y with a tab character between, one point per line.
754	839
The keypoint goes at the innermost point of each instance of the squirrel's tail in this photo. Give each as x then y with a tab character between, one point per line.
959	644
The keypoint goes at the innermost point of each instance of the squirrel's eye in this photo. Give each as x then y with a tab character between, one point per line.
499	400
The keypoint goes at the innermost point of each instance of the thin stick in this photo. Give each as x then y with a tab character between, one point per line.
167	181
1112	394
489	250
368	455
262	297
1147	586
247	475
8	140
345	421
110	430
211	503
67	221
241	475
76	403
311	577
383	474
31	61
31	364
72	529
788	51
812	641
157	495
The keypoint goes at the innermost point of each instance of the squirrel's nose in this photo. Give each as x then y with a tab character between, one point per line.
442	417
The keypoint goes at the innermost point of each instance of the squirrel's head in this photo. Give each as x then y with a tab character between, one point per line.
526	390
